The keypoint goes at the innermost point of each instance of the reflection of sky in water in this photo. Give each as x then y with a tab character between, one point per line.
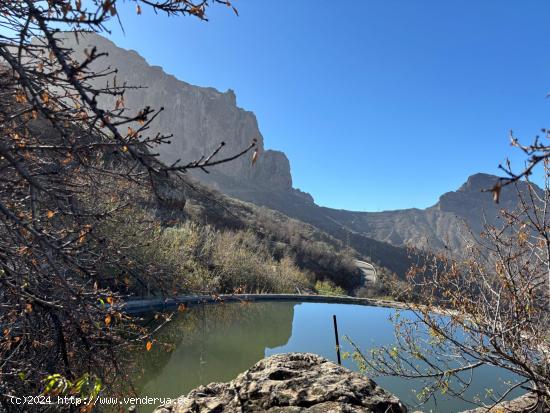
219	342
312	328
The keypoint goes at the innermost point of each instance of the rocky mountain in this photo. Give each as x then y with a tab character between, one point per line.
200	118
450	223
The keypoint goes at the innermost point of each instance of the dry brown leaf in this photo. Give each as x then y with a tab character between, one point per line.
496	192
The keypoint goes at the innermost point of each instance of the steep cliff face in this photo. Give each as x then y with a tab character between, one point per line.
199	118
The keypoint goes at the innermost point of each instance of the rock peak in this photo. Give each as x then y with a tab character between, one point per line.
478	182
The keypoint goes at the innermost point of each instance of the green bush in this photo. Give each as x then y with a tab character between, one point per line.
328	288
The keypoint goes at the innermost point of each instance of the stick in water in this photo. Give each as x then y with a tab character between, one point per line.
336	337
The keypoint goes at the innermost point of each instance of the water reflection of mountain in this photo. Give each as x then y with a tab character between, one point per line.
213	343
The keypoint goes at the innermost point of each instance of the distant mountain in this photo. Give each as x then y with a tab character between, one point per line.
450	223
455	221
200	118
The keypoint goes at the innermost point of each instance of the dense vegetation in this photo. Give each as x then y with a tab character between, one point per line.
214	244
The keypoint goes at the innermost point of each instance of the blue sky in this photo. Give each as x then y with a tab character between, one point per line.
378	104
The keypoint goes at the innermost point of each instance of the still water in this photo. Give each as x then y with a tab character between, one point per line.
217	342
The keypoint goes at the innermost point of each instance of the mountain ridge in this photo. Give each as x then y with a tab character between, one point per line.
201	117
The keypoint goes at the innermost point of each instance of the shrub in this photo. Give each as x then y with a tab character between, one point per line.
198	258
328	288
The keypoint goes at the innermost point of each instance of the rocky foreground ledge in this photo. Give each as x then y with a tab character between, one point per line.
290	383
